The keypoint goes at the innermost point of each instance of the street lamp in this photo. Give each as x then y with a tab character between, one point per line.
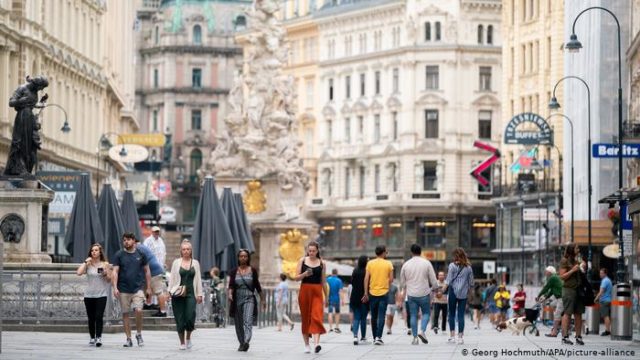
521	204
105	144
574	46
65	127
554	105
572	172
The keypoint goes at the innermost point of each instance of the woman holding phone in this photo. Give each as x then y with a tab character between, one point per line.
310	299
96	267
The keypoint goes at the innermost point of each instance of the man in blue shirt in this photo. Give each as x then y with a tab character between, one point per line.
604	297
158	285
335	285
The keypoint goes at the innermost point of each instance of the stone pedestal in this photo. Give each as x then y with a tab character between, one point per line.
23	220
282	213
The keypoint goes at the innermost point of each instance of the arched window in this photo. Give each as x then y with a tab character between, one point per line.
427	31
240	22
197	35
195	164
156	35
480	34
490	34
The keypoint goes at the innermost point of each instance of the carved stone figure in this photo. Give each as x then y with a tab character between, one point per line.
260	140
12	228
291	250
25	139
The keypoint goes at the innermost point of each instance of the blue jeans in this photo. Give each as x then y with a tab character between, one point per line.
378	306
458	305
360	312
423	303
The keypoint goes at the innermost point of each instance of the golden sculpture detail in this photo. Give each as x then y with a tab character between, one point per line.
291	250
254	199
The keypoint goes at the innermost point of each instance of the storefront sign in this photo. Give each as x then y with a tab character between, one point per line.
514	134
65	185
150	140
611	150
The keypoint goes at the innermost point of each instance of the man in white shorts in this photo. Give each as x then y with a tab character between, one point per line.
392	307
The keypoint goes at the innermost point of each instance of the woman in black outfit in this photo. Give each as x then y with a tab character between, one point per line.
360	309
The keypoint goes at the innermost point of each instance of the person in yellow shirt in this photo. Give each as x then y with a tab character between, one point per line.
502	297
377	280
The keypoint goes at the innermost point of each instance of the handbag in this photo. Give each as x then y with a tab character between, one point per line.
179	291
454	279
585	291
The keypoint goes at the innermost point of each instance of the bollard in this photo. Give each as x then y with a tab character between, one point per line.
547	314
592	319
621	312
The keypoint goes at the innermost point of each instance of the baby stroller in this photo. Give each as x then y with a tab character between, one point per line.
532	316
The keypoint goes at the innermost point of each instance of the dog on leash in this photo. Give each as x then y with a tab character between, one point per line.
516	325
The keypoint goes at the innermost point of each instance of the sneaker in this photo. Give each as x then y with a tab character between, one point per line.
317	349
128	343
409	332
460	340
389	332
139	339
606	333
579	340
307	349
451	340
415	341
566	341
92	342
98	342
330	330
423	338
435	330
475	327
337	330
363	340
380	341
189	344
355	340
182	347
159	314
377	342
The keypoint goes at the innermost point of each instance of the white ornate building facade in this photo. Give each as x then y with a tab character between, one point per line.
406	87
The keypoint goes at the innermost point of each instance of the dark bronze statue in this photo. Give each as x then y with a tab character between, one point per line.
25	139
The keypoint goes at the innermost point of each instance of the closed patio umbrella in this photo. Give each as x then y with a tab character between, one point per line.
111	220
248	239
84	228
130	217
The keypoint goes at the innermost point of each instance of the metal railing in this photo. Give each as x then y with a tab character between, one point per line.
58	296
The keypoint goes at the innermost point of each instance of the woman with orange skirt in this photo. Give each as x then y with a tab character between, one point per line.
310	298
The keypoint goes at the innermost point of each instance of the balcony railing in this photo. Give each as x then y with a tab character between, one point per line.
631	129
503	190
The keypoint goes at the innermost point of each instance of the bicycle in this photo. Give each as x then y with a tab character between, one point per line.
532	316
217	309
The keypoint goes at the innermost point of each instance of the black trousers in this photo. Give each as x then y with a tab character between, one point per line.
437	308
95	313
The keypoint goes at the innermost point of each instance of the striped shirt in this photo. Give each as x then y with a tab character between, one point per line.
463	281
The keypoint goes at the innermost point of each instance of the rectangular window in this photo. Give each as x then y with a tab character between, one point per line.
430	180
309	100
427	31
347	85
485	78
347	183
376	128
396	80
329	132
360	128
155	120
196	119
377	82
376	179
394	118
484	124
432	72
330	89
438	32
196	78
431	124
362	181
362	84
156	79
347	130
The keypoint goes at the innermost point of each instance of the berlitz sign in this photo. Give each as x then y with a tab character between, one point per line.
542	135
611	150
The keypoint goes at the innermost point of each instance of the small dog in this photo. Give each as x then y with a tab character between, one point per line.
516	325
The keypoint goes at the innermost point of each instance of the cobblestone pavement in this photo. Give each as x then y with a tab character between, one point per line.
485	343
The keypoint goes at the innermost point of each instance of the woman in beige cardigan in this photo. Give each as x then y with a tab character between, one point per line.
185	271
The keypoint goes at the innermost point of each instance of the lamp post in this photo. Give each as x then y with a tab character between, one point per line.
521	204
574	46
559	214
65	127
572	173
554	105
104	144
